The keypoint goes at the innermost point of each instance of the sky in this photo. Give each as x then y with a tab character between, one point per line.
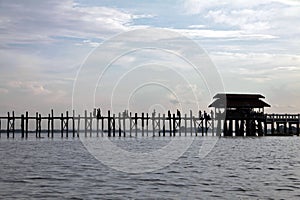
52	53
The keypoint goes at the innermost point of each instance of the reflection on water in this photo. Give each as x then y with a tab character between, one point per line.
235	168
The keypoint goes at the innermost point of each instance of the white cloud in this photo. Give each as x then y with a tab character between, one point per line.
3	91
32	87
229	34
38	21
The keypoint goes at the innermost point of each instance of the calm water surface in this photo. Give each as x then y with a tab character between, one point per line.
236	168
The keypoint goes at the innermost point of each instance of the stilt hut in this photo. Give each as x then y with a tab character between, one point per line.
240	114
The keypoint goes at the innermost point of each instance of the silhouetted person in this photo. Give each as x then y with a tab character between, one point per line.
98	113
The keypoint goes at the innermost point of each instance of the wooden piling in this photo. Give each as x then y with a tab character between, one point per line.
185	124
13	124
124	123
62	125
130	124
153	124
36	124
230	128
8	124
298	125
73	123
225	129
91	123
67	124
114	125
108	124
158	123
120	127
237	128
78	125
143	124
170	122
85	123
174	126
48	126
147	124
102	126
40	125
136	123
52	123
191	122
212	122
164	125
26	125
97	126
22	126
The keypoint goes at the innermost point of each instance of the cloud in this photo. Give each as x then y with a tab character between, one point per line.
31	87
37	21
225	34
3	91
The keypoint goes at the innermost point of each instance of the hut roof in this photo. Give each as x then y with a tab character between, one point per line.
238	101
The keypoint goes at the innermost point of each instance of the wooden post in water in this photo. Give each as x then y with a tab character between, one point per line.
130	124
185	124
164	125
174	125
0	129
142	124
114	125
48	127
52	123
170	122
212	122
91	123
153	124
206	125
285	124
85	123
230	127
272	125
73	123
40	125
22	126
8	124
108	124
158	123
236	128
26	125
36	124
62	125
67	124
97	125
298	128
265	127
78	125
120	127
13	123
147	124
191	122
124	123
136	123
225	130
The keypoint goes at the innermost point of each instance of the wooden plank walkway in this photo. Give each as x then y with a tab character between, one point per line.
127	124
111	125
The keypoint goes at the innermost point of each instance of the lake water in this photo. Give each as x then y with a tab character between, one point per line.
236	168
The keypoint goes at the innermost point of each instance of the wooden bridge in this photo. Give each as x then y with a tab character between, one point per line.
283	123
155	124
112	125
